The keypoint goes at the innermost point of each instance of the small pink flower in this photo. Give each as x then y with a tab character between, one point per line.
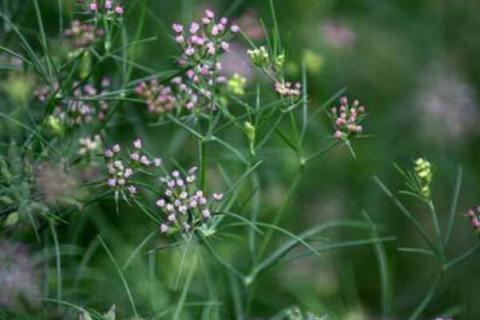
235	28
190	51
194	27
209	14
179	39
112	182
215	31
206	213
93	6
116	148
178	28
225	46
108	4
163	228
160	203
132	190
157	162
135	156
128	173
108	153
119	10
137	144
218	196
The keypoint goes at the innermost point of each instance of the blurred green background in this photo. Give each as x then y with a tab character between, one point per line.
414	64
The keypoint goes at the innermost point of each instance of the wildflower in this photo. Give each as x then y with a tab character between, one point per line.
423	172
259	57
474	216
347	119
185	205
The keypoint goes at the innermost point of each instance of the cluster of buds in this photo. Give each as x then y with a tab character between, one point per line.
347	118
236	85
121	170
259	57
90	145
424	174
107	7
474	216
287	89
184	204
83	35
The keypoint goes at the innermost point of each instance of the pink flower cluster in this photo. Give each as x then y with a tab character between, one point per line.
347	118
474	216
205	40
79	110
83	34
202	45
104	7
287	89
121	170
175	95
184	204
42	93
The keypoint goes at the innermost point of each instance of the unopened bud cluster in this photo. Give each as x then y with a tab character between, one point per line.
184	204
122	169
424	174
260	58
347	119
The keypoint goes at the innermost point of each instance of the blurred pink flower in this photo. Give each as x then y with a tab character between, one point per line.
18	277
338	35
447	104
236	61
250	25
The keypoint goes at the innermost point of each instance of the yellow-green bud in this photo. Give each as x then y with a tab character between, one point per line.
423	170
250	133
55	125
236	85
279	61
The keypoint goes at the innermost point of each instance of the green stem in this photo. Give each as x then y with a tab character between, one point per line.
202	153
280	213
